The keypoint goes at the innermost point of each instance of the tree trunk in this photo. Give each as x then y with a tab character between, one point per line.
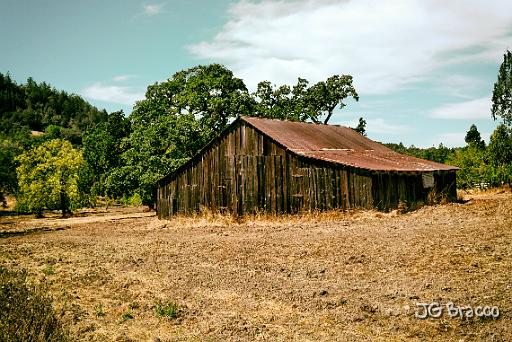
328	116
64	201
64	205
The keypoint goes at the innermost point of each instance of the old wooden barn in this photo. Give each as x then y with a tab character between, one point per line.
278	166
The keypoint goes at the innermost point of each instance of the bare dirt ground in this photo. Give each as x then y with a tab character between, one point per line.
340	276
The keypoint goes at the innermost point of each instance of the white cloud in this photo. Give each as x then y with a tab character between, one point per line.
385	45
458	85
379	126
113	94
450	139
456	139
122	78
153	9
472	109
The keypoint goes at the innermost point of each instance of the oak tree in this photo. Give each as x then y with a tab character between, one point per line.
174	121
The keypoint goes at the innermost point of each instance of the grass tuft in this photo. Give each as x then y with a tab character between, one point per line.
126	317
48	270
167	309
99	310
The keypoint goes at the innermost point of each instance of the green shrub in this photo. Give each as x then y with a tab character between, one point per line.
134	199
472	166
26	312
127	200
126	317
478	169
48	270
99	310
168	309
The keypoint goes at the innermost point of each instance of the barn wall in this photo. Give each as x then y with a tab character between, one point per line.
235	174
245	172
323	186
391	188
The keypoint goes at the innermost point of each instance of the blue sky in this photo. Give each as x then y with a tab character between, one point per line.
424	69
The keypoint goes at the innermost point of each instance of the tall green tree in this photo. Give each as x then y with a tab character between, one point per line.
502	93
499	150
102	148
473	137
48	178
361	127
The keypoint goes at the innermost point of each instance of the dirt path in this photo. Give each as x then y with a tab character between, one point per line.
355	277
23	225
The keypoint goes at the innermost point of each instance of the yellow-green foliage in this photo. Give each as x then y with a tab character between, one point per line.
48	177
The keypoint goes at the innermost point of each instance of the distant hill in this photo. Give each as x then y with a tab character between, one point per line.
40	107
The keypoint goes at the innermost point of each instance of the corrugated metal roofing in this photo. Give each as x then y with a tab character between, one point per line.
340	145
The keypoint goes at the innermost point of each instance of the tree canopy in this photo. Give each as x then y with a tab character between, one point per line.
500	146
34	113
303	102
48	177
179	116
123	157
175	120
102	148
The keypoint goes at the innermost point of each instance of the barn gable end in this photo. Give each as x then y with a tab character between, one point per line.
262	165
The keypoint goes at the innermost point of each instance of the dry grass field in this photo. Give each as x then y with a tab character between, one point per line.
351	276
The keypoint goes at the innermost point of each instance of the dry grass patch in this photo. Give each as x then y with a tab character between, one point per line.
26	312
341	275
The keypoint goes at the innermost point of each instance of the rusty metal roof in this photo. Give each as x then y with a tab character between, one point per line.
341	145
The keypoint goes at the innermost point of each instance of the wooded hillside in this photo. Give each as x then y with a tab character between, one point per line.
39	107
